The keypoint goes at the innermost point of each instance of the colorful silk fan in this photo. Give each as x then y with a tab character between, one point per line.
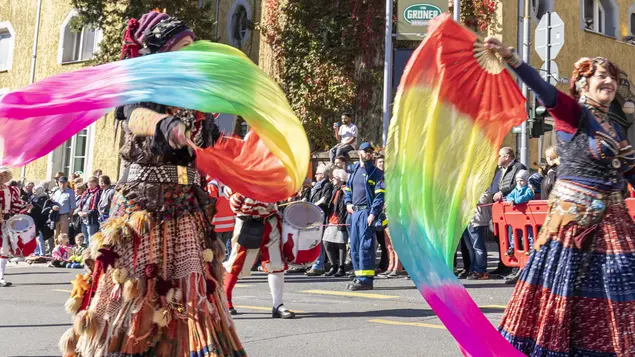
454	105
205	76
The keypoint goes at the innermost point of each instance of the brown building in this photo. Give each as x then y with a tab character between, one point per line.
591	28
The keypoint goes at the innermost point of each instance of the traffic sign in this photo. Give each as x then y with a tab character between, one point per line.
549	34
552	77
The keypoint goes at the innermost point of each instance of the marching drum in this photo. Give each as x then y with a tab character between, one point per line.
302	224
19	237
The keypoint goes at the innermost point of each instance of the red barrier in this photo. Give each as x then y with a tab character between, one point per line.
522	218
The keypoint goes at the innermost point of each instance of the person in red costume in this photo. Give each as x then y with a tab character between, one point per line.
10	204
258	231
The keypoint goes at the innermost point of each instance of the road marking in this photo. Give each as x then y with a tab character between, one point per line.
351	294
62	291
260	308
502	307
418	324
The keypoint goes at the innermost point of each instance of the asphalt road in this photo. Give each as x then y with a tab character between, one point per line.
392	320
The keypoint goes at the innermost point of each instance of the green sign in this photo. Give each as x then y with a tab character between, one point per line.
413	17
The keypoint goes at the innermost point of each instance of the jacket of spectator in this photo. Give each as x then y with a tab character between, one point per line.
548	182
508	177
321	194
482	214
104	203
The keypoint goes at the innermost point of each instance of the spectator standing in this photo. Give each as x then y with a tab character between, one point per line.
336	234
321	196
28	192
88	209
346	135
382	266
364	202
107	193
476	235
553	161
224	220
41	207
64	205
98	173
509	167
75	227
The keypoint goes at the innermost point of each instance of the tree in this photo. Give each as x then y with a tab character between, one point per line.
112	17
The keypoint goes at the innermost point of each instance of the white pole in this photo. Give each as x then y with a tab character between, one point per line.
387	71
524	137
457	10
33	60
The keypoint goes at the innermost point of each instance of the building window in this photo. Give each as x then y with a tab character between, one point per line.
7	43
632	23
77	46
239	23
600	16
75	153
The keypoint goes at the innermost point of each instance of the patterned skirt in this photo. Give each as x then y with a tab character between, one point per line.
155	289
576	296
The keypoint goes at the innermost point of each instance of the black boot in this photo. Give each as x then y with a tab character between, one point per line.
332	271
340	272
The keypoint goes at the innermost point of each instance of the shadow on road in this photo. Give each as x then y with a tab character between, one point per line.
41	273
42	325
365	314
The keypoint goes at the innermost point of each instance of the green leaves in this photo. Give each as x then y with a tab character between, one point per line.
112	17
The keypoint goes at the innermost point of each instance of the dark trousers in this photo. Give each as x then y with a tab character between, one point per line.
381	240
465	254
336	253
339	151
362	247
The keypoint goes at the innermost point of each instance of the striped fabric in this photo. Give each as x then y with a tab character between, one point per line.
224	218
243	206
577	302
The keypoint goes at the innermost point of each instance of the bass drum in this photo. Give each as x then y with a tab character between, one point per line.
302	228
19	236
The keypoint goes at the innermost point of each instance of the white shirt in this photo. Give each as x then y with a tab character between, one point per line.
347	131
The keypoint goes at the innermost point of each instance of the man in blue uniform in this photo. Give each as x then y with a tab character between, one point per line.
364	198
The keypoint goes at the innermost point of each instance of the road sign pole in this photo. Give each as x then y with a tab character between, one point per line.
524	137
387	72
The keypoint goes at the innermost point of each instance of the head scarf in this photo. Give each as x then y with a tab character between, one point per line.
155	32
39	191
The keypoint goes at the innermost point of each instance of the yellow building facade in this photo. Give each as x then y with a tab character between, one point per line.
591	28
59	50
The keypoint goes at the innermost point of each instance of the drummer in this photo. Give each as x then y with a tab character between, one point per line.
258	231
10	204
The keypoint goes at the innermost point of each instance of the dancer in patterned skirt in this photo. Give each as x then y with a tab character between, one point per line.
156	285
576	297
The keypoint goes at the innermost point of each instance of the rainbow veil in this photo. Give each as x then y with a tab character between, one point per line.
454	105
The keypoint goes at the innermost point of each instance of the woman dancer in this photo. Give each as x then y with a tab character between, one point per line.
155	289
575	297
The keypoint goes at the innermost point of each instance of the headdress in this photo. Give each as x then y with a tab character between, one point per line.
584	68
155	32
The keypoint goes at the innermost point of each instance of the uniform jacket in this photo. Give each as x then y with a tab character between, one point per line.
375	187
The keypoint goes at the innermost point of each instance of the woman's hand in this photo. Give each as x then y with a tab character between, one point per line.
178	137
494	44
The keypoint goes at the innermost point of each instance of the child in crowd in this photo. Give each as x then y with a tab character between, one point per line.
75	260
62	252
522	193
